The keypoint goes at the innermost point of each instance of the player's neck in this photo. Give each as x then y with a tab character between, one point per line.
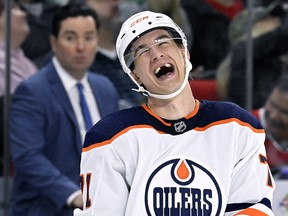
176	108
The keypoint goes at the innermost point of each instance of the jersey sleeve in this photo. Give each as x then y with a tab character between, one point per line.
252	184
102	181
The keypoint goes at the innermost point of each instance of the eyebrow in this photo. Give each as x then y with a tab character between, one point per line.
72	32
157	38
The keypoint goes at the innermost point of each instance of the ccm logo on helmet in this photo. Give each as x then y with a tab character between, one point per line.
138	21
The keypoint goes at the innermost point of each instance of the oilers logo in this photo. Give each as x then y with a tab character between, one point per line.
182	187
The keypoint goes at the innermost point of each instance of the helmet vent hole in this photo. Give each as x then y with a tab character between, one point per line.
133	31
123	36
149	23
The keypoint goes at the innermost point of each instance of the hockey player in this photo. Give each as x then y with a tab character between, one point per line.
175	155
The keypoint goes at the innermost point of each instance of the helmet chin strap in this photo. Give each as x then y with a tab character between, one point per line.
174	94
142	90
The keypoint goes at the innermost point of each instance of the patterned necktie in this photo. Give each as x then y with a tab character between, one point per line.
84	107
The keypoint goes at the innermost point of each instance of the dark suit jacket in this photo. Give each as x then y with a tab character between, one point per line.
46	143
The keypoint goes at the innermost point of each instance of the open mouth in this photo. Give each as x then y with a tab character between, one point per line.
164	70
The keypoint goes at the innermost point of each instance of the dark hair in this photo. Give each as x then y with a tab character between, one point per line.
72	10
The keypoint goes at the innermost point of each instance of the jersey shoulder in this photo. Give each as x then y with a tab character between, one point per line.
215	111
114	123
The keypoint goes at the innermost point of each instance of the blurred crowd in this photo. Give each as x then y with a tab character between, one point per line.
217	32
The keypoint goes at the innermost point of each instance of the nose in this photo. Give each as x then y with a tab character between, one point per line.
155	53
80	45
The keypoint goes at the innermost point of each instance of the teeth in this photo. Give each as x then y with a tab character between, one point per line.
166	65
157	70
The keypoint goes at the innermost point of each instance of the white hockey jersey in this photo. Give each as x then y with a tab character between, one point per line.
212	162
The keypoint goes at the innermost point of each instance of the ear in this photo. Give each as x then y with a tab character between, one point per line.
53	42
137	79
183	52
188	54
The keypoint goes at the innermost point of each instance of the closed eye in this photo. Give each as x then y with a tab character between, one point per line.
142	51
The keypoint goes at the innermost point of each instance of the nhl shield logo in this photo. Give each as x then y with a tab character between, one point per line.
180	126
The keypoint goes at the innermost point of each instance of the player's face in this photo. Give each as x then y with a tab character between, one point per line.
277	114
159	62
75	46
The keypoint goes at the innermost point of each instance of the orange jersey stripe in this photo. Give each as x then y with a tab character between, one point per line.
193	113
157	117
251	212
106	142
245	124
196	109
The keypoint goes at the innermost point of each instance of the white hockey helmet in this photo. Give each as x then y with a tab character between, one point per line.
135	27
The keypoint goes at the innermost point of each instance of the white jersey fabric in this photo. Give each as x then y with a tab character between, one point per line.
212	162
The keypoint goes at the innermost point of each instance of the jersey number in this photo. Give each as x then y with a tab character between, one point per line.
86	179
263	160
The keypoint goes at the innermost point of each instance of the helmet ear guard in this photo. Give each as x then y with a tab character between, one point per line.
138	25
